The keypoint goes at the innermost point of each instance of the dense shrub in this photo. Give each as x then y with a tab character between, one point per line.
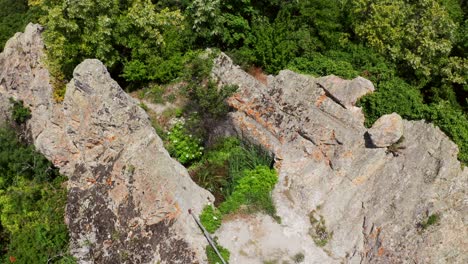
211	100
393	96
211	218
20	113
213	257
32	202
254	191
14	16
454	123
185	147
320	65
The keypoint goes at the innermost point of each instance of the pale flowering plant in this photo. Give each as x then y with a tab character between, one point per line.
183	146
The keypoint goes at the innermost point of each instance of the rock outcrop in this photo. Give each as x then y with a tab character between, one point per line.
128	200
387	130
340	199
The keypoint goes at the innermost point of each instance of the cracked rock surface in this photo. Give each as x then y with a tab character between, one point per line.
340	199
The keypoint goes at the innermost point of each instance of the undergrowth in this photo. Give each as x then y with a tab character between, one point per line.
213	257
241	177
32	203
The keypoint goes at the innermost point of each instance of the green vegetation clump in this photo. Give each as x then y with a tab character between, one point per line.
211	218
213	257
14	16
32	203
241	178
185	147
298	258
430	221
253	191
211	100
20	113
318	231
212	172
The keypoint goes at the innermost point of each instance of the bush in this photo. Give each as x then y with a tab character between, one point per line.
212	172
454	123
254	191
320	65
211	100
14	16
211	218
393	96
185	147
20	113
213	257
248	157
32	203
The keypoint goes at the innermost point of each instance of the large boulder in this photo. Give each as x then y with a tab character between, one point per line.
128	200
387	130
339	199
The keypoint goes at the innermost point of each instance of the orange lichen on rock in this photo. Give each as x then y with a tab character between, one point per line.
320	100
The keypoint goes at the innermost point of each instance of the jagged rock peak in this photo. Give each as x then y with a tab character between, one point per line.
127	196
340	199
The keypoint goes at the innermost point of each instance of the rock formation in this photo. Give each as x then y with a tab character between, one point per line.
340	199
127	200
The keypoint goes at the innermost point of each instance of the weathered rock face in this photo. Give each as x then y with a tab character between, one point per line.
4	109
341	200
387	130
128	199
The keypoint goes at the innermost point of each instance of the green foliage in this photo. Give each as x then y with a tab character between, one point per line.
272	45
225	23
431	220
32	202
133	38
212	172
248	157
185	147
143	106
254	191
211	100
454	123
20	113
198	66
213	257
393	96
415	32
211	218
14	16
16	158
320	65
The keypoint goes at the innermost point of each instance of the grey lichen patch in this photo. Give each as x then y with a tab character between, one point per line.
318	230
